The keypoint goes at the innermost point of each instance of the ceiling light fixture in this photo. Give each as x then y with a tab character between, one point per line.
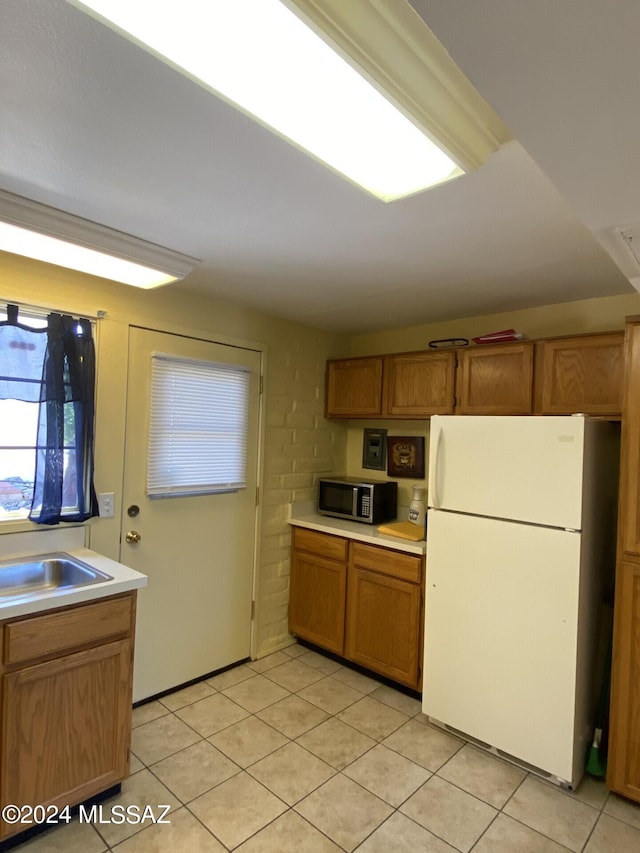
363	86
47	234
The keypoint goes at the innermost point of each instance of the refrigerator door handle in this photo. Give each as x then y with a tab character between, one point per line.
433	473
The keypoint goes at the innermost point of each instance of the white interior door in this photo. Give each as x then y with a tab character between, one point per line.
198	552
527	469
501	620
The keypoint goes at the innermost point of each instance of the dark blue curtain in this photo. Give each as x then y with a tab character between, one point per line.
63	489
55	367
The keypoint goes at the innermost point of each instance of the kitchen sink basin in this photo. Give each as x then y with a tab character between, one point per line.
33	576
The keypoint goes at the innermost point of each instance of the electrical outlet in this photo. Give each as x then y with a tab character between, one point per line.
106	504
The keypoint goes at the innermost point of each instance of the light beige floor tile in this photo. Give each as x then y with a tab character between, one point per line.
449	813
336	743
295	650
184	832
399	834
289	833
294	675
344	811
359	682
141	790
231	676
372	718
330	695
268	662
186	696
248	741
145	713
506	835
160	738
194	770
74	837
593	792
482	775
291	772
323	664
134	764
236	809
388	775
551	812
426	745
212	714
292	716
395	699
613	836
257	693
623	809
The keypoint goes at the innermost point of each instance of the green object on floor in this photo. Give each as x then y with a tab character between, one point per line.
596	759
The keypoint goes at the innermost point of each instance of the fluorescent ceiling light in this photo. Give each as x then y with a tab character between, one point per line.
46	234
262	57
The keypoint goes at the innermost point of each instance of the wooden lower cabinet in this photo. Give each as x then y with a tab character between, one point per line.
366	607
624	745
318	588
66	709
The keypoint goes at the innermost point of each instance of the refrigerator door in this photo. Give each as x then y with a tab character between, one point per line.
526	469
500	636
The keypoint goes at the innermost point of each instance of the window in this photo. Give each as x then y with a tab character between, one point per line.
198	425
47	381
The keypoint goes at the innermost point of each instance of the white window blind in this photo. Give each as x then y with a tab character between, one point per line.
197	427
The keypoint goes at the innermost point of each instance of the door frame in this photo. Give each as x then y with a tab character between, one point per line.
261	349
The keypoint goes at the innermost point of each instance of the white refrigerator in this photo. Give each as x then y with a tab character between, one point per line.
520	543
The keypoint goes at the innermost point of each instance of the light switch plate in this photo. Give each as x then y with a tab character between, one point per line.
106	504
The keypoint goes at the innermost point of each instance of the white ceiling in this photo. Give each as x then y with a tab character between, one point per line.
96	126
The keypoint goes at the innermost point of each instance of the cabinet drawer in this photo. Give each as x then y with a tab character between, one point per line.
332	547
63	630
396	564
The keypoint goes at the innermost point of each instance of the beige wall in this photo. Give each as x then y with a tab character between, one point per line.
590	315
298	442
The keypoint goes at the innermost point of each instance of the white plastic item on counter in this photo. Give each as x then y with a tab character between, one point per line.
417	508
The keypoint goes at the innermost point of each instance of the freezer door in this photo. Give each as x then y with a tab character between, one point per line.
527	469
501	621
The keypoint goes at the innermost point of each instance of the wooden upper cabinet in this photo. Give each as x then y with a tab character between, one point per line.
495	379
418	384
354	387
629	506
583	374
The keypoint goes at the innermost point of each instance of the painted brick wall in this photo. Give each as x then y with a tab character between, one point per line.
300	444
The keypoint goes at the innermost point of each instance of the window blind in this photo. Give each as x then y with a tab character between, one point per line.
197	427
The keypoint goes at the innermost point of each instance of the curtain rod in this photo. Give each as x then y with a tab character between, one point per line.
43	310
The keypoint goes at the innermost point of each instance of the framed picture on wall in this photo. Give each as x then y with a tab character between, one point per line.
405	456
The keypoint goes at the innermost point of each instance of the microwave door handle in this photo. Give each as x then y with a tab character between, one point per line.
354	507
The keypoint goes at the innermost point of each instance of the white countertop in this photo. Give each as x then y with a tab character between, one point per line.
303	515
69	541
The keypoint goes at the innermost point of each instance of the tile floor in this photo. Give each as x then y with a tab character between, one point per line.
295	753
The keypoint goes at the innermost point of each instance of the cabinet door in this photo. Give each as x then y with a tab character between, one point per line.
383	619
623	773
495	380
354	388
66	728
317	600
629	517
418	384
583	375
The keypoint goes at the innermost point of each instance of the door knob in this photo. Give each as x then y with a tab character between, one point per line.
133	536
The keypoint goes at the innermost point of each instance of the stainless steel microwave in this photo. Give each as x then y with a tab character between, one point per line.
349	497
